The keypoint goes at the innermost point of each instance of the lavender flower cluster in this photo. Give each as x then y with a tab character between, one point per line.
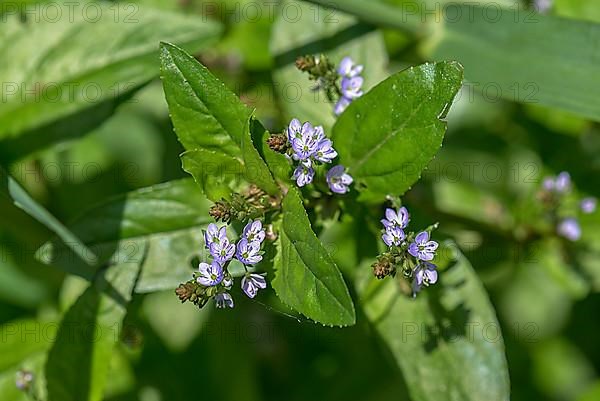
413	253
554	191
351	84
247	251
309	147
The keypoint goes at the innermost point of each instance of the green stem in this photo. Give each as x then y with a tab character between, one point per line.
378	13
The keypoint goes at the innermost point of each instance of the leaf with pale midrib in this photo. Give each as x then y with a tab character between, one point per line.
447	341
306	277
388	136
212	124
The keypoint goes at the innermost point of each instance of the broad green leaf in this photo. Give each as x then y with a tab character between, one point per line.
389	135
15	194
79	360
55	81
167	219
211	123
306	277
447	340
309	29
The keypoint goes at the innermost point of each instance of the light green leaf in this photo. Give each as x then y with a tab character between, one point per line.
447	340
79	360
389	135
56	82
315	31
306	277
211	123
167	219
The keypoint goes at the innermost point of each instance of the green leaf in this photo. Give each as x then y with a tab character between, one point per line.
316	31
389	135
561	65
447	340
12	191
306	277
167	219
211	123
79	360
56	82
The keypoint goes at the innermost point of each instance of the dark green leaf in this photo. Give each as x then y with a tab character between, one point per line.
307	278
210	121
51	73
447	340
389	135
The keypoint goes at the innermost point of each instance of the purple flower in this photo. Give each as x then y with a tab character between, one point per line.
222	251
569	228
347	68
253	231
424	274
548	184
563	182
248	252
351	87
588	205
214	235
341	105
223	300
542	6
318	134
210	275
397	218
304	147
393	235
423	248
325	152
304	174
297	130
338	180
251	283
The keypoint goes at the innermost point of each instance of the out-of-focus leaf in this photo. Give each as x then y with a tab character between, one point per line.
560	369
316	30
560	63
11	190
167	219
164	312
447	340
211	123
389	135
23	338
80	357
56	84
306	277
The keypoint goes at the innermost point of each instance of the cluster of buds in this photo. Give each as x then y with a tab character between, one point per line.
410	253
553	196
252	204
323	72
341	85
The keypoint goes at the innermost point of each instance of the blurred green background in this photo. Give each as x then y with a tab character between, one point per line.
480	188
